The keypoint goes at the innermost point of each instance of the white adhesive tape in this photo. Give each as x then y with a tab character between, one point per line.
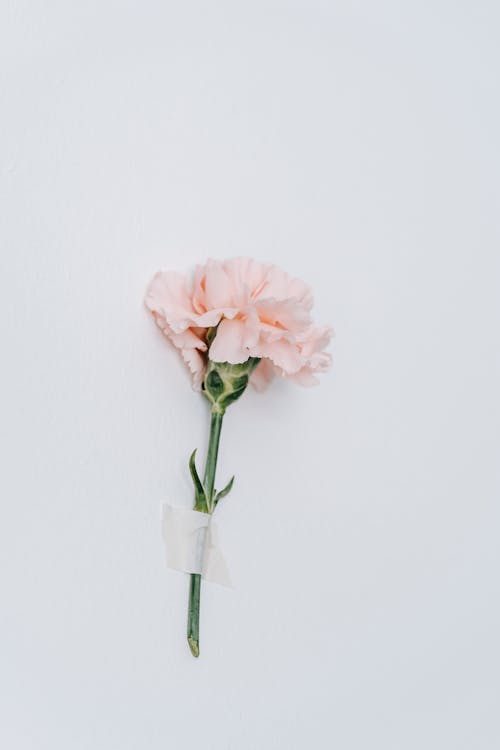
192	545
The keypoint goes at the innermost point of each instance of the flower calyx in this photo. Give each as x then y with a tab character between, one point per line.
225	382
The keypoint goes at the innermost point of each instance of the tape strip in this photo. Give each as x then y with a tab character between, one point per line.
192	544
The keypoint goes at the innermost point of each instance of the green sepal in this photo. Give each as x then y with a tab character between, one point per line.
214	385
200	496
211	334
224	492
238	386
224	382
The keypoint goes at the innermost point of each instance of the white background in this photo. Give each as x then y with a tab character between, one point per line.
356	145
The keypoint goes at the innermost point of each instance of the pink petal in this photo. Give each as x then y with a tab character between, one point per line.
284	354
168	296
263	374
228	345
218	287
247	278
196	363
315	339
303	377
285	314
259	310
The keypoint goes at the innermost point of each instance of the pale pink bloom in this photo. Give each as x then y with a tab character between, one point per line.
259	311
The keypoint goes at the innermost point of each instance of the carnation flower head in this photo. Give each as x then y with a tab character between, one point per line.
237	310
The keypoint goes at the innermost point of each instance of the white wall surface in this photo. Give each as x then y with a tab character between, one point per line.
355	144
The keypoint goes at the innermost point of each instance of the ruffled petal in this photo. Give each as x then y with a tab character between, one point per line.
259	311
248	277
303	377
263	375
218	287
281	286
197	365
168	296
284	354
287	314
228	345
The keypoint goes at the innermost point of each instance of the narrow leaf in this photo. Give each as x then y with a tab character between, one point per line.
225	491
200	492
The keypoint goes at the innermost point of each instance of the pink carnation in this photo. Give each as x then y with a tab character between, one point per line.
259	311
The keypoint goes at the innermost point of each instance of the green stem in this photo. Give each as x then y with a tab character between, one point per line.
193	628
213	450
